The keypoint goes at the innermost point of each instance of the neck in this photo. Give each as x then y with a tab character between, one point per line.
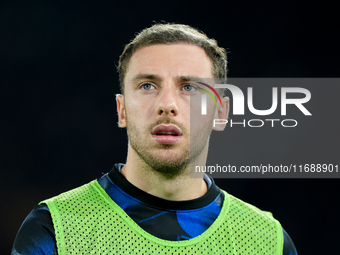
171	187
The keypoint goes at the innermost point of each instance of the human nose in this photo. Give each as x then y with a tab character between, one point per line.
168	101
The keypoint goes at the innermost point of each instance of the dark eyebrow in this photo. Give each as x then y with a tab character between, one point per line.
190	78
142	76
149	76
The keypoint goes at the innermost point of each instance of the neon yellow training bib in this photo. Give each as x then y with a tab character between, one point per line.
87	221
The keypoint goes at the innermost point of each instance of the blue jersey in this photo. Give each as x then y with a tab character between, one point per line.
182	220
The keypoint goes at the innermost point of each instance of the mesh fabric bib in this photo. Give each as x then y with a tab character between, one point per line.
88	221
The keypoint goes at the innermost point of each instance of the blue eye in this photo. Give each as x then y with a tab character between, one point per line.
146	86
188	88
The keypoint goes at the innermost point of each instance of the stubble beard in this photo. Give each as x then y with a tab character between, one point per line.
176	161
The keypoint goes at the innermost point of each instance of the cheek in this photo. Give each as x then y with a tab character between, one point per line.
138	109
197	119
201	124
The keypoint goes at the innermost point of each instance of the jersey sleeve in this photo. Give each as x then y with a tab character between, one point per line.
288	245
36	235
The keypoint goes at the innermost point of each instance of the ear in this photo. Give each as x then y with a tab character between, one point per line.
221	112
121	110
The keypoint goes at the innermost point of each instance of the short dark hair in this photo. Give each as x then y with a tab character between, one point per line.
171	34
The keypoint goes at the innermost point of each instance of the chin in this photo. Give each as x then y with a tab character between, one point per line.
168	163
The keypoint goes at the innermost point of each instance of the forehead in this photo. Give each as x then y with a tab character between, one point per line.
170	61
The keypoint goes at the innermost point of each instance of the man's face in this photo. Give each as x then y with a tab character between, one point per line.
156	105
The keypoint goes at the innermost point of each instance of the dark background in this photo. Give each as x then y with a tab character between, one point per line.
58	80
